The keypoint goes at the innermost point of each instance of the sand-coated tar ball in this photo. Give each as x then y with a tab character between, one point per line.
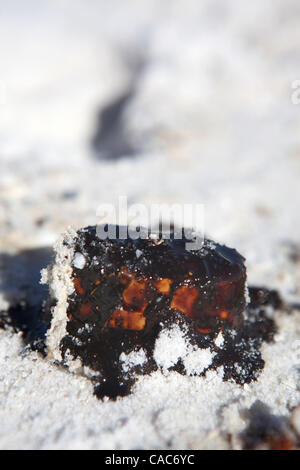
122	293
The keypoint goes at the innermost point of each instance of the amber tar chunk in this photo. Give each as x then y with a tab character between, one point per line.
112	301
127	284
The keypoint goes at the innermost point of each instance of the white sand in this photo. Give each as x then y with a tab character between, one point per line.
212	121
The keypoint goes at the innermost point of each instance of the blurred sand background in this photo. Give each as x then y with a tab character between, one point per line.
175	101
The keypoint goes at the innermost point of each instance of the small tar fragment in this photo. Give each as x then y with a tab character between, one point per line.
118	295
266	431
262	296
